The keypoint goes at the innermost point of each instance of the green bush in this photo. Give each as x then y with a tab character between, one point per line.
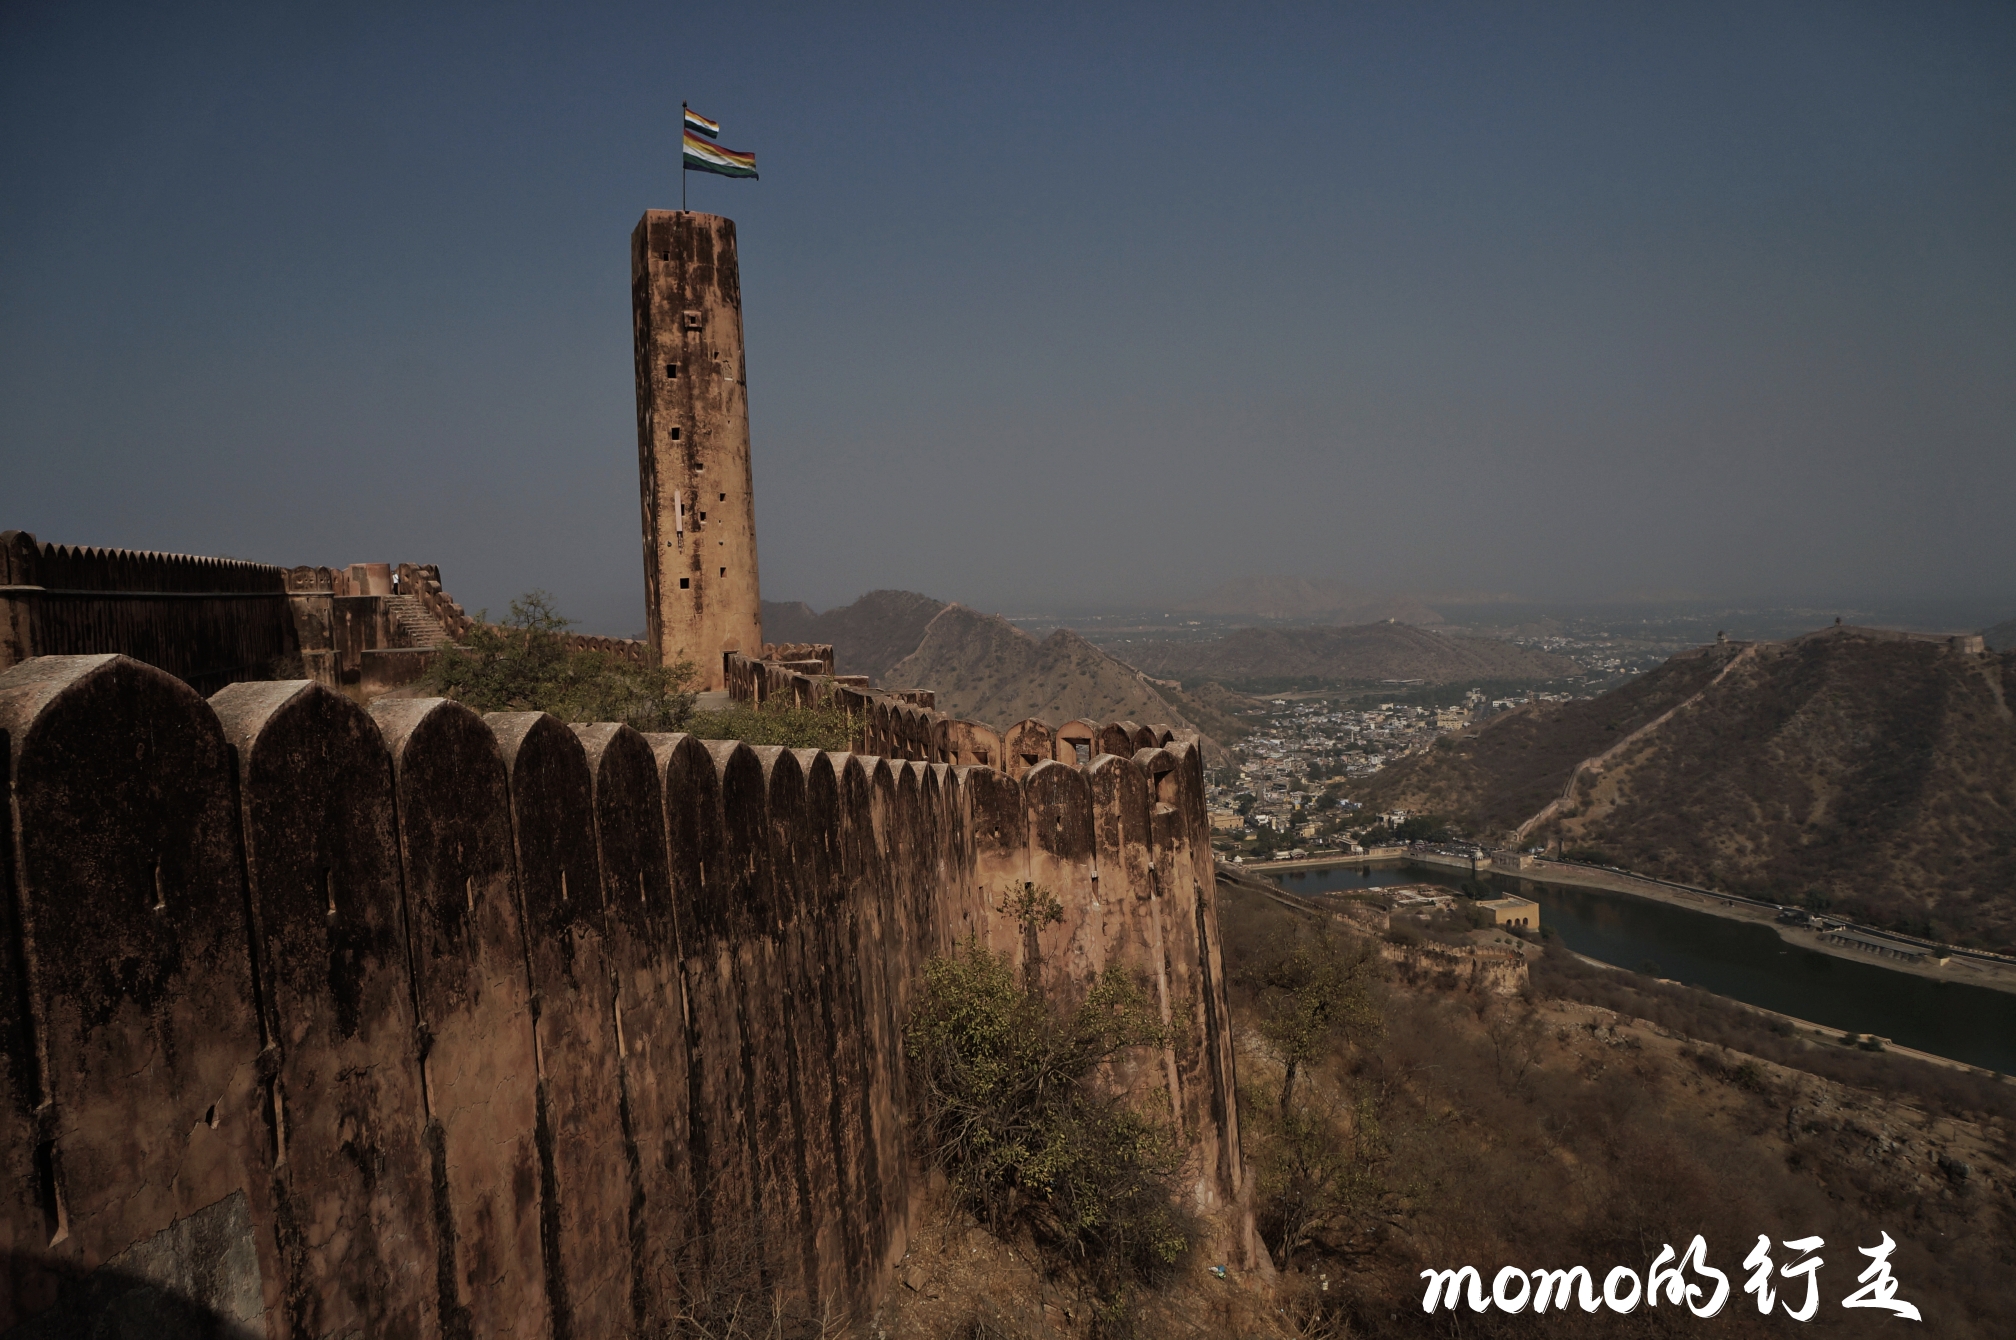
777	723
1423	828
1010	1112
525	665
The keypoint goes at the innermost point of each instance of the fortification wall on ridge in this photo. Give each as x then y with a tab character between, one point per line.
208	621
904	724
409	1021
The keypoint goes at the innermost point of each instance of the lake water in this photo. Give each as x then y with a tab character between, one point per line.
1742	960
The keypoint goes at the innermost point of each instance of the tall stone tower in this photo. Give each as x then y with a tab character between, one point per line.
693	441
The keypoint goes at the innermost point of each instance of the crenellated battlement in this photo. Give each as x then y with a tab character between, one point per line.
208	621
903	723
437	1022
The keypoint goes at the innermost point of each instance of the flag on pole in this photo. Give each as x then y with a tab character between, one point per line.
701	125
703	156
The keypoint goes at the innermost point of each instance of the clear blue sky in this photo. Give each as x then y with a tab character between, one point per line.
1045	306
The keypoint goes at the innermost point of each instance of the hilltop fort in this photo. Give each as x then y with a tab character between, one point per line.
325	1019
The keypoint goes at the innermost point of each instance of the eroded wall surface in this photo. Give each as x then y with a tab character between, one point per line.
701	590
208	621
317	1020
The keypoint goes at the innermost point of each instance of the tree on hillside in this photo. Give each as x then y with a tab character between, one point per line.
1314	992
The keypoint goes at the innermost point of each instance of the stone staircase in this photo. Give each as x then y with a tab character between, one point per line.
413	618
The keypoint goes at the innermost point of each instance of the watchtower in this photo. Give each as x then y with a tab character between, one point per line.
700	584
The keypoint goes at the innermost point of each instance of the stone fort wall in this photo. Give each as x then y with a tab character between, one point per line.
208	621
409	1021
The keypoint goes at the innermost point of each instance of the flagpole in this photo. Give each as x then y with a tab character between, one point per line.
682	156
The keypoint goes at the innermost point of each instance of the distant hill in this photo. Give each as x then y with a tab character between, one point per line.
2002	637
1306	598
868	636
1851	768
1370	652
983	668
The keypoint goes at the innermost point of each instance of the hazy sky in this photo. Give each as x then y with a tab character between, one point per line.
1045	306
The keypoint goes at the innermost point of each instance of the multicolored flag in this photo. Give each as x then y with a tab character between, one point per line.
703	156
701	125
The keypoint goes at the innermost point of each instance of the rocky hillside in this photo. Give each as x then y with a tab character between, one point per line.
983	668
1847	768
868	636
1366	652
2002	637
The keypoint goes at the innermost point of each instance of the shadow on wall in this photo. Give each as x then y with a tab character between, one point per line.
197	1279
111	1304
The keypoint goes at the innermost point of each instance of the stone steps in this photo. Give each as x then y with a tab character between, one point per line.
412	616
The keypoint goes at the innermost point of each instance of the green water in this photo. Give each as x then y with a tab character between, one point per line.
1742	960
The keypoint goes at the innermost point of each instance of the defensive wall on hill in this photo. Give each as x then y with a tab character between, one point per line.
207	621
367	627
407	1021
904	724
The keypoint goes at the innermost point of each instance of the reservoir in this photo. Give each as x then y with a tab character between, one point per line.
1742	960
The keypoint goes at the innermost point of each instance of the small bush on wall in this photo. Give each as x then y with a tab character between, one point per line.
1009	1110
525	665
776	723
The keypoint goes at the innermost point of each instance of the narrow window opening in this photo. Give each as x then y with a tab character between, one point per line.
672	371
685	583
469	892
160	890
328	891
724	497
698	465
563	883
210	1117
640	888
724	572
692	320
1084	756
675	432
664	255
621	1049
703	516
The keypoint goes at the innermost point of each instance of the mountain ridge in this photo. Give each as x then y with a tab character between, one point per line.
868	636
1869	773
983	668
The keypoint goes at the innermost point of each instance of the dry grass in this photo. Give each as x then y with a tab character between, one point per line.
1547	1133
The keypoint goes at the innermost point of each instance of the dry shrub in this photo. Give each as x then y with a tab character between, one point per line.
525	665
1508	1145
1724	1023
1030	1144
731	1287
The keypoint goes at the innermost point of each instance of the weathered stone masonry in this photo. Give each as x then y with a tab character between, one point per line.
411	1022
701	591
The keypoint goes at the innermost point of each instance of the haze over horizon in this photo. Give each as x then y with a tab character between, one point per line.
1562	302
